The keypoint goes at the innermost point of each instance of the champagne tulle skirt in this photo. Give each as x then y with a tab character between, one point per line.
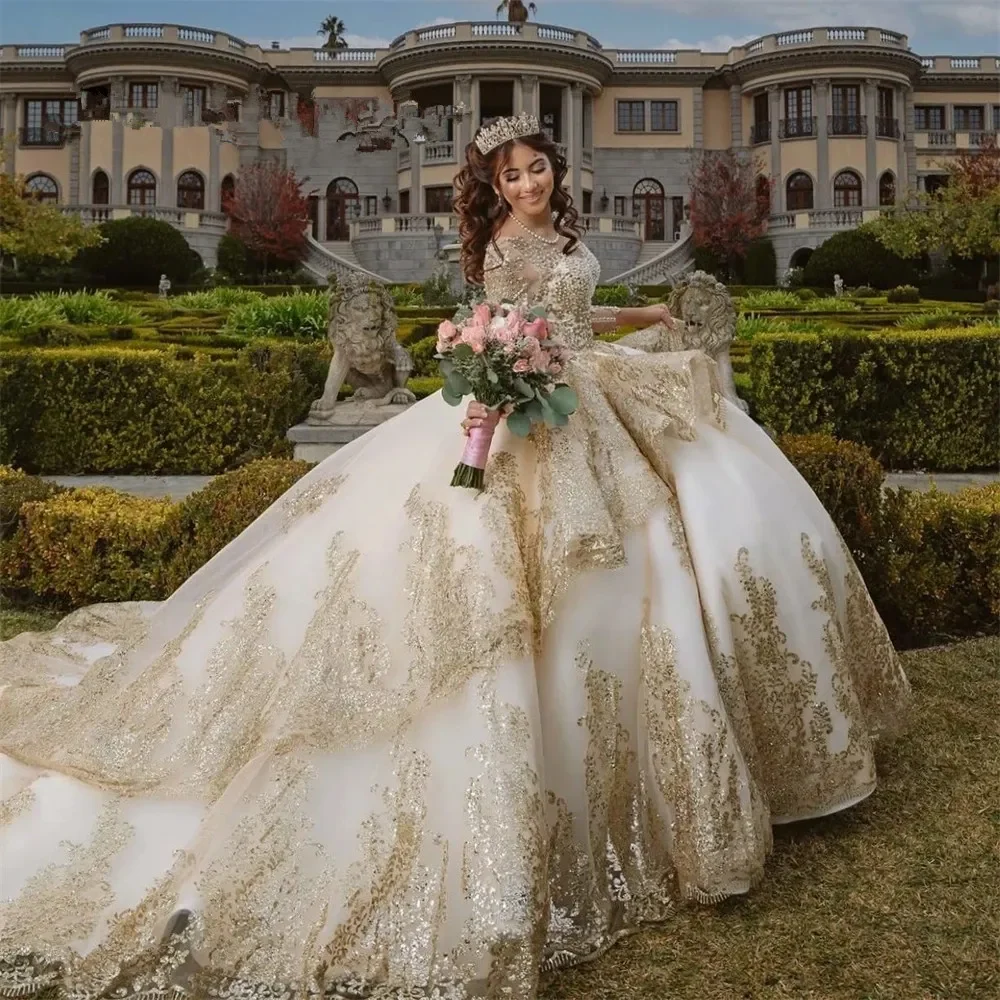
405	740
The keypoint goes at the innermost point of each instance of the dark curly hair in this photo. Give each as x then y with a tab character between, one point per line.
481	213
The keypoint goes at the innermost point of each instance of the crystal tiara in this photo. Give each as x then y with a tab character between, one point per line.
505	129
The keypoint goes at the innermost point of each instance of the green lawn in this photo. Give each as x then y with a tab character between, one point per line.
897	899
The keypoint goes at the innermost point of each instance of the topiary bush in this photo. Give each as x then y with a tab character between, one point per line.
136	251
864	292
17	488
208	520
859	259
806	294
424	363
917	400
612	295
760	266
903	293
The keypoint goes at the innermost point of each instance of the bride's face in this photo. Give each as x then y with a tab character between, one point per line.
526	181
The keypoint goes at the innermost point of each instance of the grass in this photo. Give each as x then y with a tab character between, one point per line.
896	899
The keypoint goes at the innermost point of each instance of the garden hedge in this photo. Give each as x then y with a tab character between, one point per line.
160	411
931	561
917	399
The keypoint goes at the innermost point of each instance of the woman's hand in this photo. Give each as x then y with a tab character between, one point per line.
475	416
658	314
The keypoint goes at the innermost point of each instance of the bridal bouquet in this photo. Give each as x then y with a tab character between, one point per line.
508	360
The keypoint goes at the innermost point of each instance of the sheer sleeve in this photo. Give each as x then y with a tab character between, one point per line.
604	318
508	273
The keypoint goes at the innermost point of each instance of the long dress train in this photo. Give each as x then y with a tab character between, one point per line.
404	740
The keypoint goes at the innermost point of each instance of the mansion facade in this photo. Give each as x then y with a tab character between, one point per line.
159	119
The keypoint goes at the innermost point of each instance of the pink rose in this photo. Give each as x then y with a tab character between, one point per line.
522	365
475	337
555	368
482	315
537	328
447	331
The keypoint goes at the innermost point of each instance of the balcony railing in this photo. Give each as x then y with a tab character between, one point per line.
51	136
941	137
177	217
760	132
818	218
797	128
887	128
847	125
983	137
439	152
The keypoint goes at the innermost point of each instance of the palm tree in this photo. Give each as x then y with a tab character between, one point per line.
334	29
516	10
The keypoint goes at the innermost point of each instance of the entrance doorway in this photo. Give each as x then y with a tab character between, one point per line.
342	205
649	207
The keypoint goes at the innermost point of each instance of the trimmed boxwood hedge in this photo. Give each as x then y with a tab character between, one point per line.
931	561
917	399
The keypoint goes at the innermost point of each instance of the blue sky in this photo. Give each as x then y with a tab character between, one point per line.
946	28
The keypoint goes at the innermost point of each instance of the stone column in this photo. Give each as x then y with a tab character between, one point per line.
899	109
910	142
869	189
462	129
574	140
321	231
171	105
529	94
118	93
416	186
213	196
698	116
118	193
8	122
477	109
737	137
774	114
168	115
75	164
822	197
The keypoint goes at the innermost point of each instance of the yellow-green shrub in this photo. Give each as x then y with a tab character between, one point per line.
917	399
87	546
208	520
17	488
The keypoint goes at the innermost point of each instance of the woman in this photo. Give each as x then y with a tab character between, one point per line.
401	739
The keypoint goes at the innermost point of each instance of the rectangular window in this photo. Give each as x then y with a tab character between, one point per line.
143	95
620	205
588	202
928	118
761	109
44	120
663	116
969	118
404	202
194	104
631	116
886	102
996	117
846	101
276	104
438	199
798	103
371	204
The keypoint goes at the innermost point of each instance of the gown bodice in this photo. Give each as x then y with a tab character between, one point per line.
524	270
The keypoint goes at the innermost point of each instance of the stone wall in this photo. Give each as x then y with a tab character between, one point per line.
619	170
616	253
398	256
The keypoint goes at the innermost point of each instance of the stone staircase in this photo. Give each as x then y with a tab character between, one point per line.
659	263
651	249
336	257
343	249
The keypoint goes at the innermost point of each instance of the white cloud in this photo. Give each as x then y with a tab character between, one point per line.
436	22
717	43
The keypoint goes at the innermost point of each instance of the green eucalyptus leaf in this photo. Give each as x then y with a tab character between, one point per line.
519	424
523	388
563	400
462	352
452	399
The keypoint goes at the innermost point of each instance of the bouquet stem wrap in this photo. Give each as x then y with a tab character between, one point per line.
470	472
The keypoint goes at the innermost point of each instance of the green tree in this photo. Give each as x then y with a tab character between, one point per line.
137	250
961	218
37	231
860	259
335	30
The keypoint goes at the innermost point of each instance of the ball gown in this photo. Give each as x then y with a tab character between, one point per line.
404	740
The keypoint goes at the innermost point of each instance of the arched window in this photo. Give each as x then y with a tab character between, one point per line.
191	190
649	206
801	257
342	205
226	191
41	187
847	190
100	189
887	189
799	192
141	188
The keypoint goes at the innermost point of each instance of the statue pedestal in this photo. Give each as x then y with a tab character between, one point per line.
316	440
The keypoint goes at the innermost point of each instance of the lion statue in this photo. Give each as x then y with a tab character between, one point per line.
366	355
706	321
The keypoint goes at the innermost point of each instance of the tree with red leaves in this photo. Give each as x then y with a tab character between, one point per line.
730	203
268	213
